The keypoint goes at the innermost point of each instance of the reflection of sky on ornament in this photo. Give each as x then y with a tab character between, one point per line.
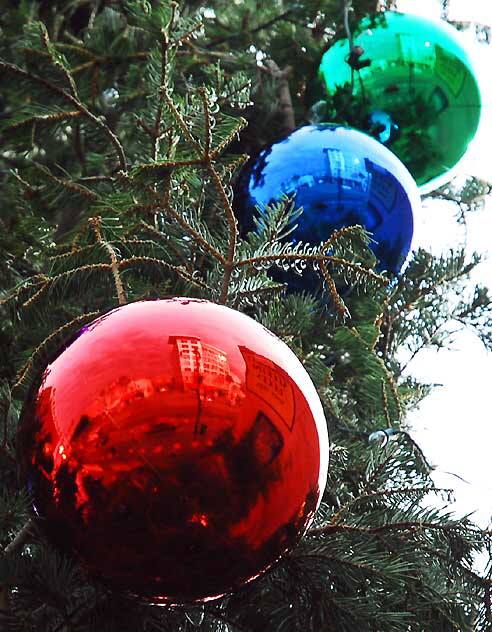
453	424
476	12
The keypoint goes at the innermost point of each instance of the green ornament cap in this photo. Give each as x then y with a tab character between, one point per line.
411	84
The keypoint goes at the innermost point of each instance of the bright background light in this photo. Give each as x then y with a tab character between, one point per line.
453	425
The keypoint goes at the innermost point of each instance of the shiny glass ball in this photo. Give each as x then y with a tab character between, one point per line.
340	177
418	72
176	447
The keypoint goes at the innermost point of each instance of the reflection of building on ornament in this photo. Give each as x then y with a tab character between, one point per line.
205	368
271	383
345	168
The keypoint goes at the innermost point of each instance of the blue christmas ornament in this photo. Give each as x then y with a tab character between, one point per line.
341	177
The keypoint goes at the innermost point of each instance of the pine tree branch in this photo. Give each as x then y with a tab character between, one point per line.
180	271
389	376
72	621
47	281
385	493
57	63
425	342
339	304
180	121
24	536
316	258
186	264
162	204
364	568
106	61
231	218
486	583
98	121
389	421
39	279
41	119
261	27
40	348
95	222
95	179
163	81
412	526
67	184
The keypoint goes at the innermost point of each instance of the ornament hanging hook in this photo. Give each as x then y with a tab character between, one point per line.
347	7
355	52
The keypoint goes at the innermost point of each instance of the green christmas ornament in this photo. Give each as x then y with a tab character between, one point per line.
409	82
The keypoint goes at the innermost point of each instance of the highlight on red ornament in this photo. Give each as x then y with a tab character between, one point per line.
176	447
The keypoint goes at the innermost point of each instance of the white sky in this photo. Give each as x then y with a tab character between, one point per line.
453	425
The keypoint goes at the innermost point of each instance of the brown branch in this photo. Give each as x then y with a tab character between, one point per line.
164	206
163	165
285	105
95	222
67	184
385	404
21	375
40	280
98	121
23	537
482	580
42	119
256	29
337	300
206	116
231	218
107	61
57	63
340	306
151	229
395	526
75	48
365	496
158	118
187	276
389	376
318	258
95	179
180	121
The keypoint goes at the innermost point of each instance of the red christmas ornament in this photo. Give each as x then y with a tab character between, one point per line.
177	447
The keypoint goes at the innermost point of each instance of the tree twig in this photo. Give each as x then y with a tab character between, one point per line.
284	97
256	29
158	118
95	222
98	121
24	536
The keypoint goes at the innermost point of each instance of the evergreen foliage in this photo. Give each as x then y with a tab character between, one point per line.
122	126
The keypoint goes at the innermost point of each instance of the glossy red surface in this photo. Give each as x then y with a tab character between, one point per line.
177	447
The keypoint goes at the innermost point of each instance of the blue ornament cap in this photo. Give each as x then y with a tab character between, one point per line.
340	177
382	127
